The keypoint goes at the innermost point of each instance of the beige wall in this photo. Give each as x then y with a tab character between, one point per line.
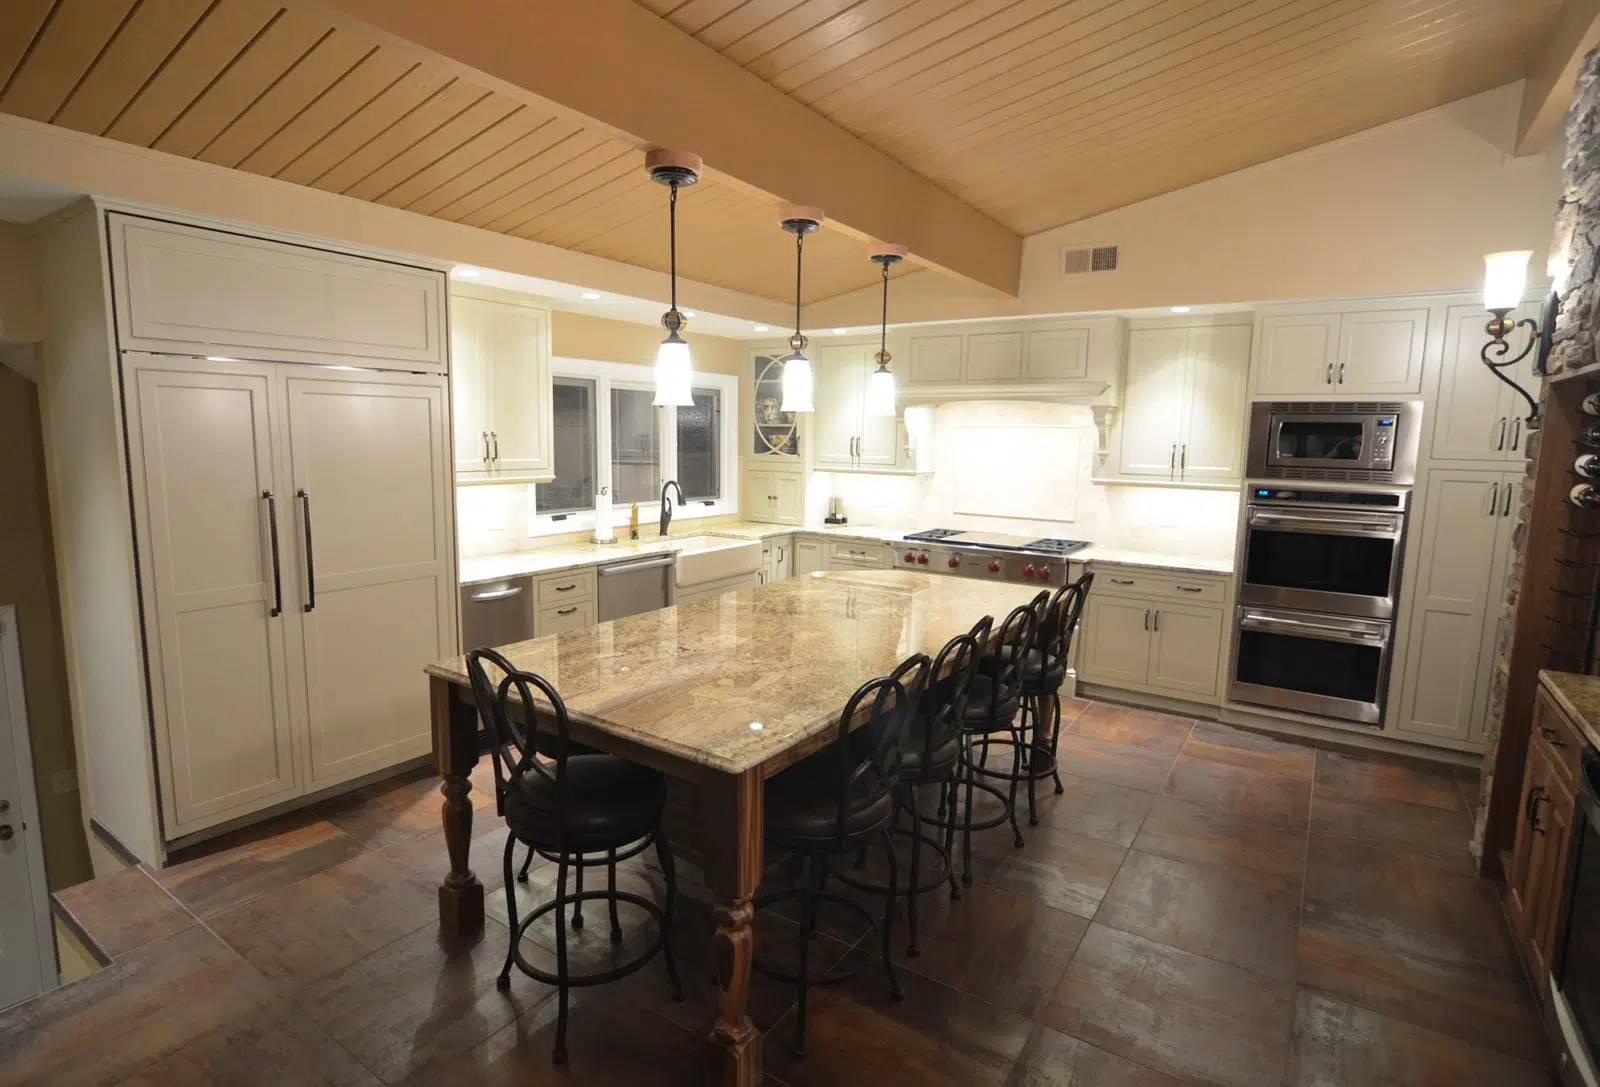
28	580
20	320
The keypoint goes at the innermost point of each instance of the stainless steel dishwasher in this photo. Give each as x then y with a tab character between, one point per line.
634	585
496	613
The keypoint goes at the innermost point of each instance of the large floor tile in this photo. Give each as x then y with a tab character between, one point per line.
321	924
281	1047
1131	727
237	867
1095	809
1337	1044
1417	828
1203	835
427	855
1240	747
1062	870
1122	764
1053	1059
1000	947
123	910
1234	915
1259	795
388	811
1414	938
1200	1020
1375	777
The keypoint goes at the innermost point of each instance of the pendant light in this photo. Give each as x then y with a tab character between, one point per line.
880	385
674	371
798	383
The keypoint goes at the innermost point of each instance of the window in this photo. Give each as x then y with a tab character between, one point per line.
700	446
610	439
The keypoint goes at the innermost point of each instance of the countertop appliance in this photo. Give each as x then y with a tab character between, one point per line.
633	585
1335	441
1319	583
995	555
1572	1015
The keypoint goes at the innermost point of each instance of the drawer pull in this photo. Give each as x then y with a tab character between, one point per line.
567	611
1190	589
1122	581
1551	736
565	588
496	594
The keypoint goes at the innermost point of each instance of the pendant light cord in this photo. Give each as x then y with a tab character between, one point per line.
799	253
672	239
883	329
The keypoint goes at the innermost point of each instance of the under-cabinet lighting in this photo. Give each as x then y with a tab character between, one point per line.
761	328
466	271
1180	309
590	296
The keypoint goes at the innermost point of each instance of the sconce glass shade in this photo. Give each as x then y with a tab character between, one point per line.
674	374
880	392
1505	278
798	384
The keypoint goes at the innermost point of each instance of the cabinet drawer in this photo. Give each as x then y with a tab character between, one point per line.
1123	581
1553	733
856	554
565	588
574	616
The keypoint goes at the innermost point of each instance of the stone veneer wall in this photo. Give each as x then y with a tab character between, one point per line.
1577	236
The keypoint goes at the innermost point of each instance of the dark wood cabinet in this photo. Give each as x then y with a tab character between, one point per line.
1544	824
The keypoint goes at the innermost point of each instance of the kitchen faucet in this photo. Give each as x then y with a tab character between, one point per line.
666	506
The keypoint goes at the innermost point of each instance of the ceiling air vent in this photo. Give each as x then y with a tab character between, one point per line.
1099	258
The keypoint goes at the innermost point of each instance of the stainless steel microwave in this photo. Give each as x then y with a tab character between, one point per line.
1351	442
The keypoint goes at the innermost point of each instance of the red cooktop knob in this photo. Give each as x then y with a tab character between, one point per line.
1044	573
954	562
994	567
1027	571
910	557
922	560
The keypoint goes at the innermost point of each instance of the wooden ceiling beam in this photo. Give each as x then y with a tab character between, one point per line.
651	85
1552	70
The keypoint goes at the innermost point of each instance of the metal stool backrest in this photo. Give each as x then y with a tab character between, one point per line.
509	706
1017	636
868	758
944	701
1060	617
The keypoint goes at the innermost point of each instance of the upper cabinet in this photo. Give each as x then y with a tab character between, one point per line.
1011	359
187	290
843	435
1477	416
1183	403
500	376
1361	353
776	432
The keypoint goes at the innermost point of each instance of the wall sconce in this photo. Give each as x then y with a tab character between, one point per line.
1505	279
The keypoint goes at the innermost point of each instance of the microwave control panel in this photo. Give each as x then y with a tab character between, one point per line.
1383	428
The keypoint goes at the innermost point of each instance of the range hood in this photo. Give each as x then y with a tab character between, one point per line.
1053	392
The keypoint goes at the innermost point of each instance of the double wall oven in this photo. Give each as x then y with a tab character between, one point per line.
1319	569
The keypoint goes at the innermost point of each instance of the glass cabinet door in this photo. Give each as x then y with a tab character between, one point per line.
777	432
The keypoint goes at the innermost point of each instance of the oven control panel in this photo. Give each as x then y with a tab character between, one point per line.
1394	500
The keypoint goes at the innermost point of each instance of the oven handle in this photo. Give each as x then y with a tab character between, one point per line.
1353	524
1272	623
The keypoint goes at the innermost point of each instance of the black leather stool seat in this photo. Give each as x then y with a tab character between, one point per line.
610	802
979	714
802	807
1042	673
942	760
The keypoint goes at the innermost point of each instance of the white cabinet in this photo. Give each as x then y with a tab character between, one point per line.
994	356
935	359
856	555
777	554
500	370
1478	418
774	493
1056	354
1184	649
846	436
807	556
1467	521
1183	403
192	291
1155	632
1360	353
1116	642
1006	357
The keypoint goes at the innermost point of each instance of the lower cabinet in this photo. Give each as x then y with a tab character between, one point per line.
717	588
807	557
775	495
776	559
1538	858
563	617
564	601
852	555
1154	644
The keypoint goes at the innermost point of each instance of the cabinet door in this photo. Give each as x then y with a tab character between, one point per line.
377	598
469	395
1527	861
1380	352
789	498
935	360
1116	642
201	439
520	406
1213	429
782	549
759	499
1296	356
838	402
807	557
1153	401
1471	423
881	442
1445	688
1057	355
578	615
994	356
1185	650
1553	817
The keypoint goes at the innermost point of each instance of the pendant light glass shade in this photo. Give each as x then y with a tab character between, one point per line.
799	387
880	392
674	374
1505	278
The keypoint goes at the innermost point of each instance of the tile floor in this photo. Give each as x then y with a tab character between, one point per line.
1202	906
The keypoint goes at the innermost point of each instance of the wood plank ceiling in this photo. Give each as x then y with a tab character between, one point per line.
283	93
1042	112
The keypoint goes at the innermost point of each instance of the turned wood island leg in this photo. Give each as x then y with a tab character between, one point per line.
732	806
455	751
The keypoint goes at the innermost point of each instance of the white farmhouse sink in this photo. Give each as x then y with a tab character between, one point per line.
703	559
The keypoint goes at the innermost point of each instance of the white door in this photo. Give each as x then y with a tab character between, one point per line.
1472	422
1380	352
1153	401
27	956
1446	686
469	388
520	408
1116	642
218	596
837	371
1213	429
1296	354
789	494
367	464
1185	648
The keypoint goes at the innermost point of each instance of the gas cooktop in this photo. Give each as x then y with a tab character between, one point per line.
997	541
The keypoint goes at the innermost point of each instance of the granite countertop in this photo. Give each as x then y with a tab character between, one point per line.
1579	696
735	680
1155	560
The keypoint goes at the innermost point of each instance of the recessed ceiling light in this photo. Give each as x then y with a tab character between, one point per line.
1180	309
590	296
840	331
761	328
688	313
466	271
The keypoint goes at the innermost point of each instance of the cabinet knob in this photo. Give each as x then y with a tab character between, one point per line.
6	833
1551	737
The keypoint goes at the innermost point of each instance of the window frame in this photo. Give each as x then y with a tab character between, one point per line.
630	376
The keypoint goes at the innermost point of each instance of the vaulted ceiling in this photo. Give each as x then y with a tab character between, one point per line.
1010	116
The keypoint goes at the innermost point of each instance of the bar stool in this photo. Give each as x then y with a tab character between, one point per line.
577	810
832	804
1044	671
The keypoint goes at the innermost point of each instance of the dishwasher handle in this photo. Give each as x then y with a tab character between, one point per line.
496	594
630	567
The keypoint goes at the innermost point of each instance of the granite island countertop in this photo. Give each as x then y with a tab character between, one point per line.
1579	696
734	680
